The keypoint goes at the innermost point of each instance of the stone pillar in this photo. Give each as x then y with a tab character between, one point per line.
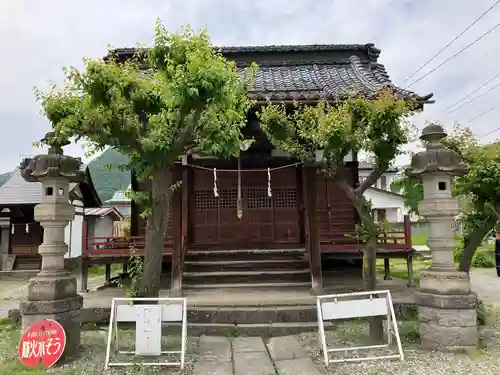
52	293
447	307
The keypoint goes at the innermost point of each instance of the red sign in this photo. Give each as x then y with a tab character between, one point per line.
42	344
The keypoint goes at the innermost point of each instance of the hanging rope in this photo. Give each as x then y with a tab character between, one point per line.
244	170
216	192
239	202
25	225
269	192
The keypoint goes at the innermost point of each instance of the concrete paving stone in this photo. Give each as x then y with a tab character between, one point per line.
300	366
215	348
285	347
252	363
248	344
202	367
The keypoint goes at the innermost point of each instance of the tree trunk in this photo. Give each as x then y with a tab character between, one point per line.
155	233
370	264
369	255
473	243
370	283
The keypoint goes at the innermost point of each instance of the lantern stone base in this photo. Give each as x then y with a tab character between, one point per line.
64	311
51	288
447	322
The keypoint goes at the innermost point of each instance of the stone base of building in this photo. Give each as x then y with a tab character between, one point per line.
450	282
447	322
64	311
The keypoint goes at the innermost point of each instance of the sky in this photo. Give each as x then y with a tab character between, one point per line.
38	38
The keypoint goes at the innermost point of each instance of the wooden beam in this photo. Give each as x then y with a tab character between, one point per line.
134	210
312	228
176	207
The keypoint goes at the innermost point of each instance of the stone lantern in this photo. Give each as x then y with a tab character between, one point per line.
52	293
447	308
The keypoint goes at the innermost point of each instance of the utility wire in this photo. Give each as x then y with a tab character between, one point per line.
491	132
475	98
482	114
471	93
455	55
453	41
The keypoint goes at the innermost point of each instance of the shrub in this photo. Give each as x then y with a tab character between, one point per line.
483	259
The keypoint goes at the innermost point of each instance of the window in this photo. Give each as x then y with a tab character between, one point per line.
442	185
383	182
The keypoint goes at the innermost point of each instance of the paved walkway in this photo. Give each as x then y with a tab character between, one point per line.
251	356
486	283
13	290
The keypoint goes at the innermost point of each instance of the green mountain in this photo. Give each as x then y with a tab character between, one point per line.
4	177
106	176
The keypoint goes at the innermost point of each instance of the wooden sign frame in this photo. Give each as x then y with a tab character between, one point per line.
358	305
149	328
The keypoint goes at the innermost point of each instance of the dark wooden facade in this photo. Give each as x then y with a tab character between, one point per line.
267	222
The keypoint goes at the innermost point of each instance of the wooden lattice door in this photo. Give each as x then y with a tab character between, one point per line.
265	221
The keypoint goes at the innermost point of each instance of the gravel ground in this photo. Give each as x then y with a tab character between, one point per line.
11	291
482	361
91	360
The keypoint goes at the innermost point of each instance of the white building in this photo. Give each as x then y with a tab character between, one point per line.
121	202
387	205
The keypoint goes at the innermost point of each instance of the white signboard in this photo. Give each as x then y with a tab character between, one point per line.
358	305
148	333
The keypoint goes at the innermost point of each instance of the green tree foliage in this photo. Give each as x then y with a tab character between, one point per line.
375	126
412	190
190	99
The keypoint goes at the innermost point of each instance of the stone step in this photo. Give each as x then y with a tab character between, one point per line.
260	285
250	277
18	274
252	314
245	254
245	265
251	330
31	263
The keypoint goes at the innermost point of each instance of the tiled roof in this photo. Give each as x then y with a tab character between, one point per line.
103	211
120	196
16	190
314	80
311	72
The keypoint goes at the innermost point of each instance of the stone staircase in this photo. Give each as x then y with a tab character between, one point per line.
256	268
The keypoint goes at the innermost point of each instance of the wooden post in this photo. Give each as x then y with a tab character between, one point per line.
176	206
312	228
84	276
134	210
407	229
84	265
187	174
107	275
387	269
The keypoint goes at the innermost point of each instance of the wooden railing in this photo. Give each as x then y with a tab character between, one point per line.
394	241
119	246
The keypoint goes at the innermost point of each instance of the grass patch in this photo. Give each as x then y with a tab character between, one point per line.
98	270
399	268
419	239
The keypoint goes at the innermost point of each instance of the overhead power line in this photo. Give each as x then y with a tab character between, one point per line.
481	115
475	98
452	41
455	55
471	93
491	132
